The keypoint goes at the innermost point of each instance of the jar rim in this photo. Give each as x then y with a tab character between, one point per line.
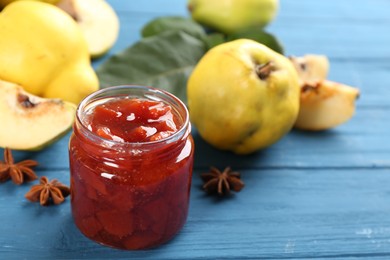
163	96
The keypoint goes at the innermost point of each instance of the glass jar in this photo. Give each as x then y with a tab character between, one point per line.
130	195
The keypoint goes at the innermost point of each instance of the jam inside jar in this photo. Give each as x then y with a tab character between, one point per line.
131	159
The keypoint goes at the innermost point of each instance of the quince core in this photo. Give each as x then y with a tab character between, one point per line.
29	122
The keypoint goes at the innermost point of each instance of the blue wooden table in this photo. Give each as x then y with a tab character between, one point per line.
311	195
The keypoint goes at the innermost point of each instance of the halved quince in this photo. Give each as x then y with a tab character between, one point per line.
29	122
98	22
311	68
325	105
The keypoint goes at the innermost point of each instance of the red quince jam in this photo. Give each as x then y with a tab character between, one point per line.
130	185
133	120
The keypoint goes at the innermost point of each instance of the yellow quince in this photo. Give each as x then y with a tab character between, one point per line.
243	96
6	2
229	16
43	50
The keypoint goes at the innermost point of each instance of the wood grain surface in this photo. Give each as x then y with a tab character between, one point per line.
311	195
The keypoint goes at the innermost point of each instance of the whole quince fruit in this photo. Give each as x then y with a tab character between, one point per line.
6	2
229	16
243	96
43	49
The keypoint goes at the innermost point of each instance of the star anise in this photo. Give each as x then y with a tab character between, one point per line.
219	182
47	192
18	172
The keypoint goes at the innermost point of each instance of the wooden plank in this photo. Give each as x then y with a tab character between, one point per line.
334	39
311	195
350	30
362	142
331	9
279	214
369	76
334	28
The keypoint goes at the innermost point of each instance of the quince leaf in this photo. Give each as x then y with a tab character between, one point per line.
173	23
260	36
163	61
214	39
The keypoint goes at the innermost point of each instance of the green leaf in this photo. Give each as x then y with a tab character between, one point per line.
173	23
260	36
162	61
214	39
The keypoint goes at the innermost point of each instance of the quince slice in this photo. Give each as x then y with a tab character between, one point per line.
29	122
325	105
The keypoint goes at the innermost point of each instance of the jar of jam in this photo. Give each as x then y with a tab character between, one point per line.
131	158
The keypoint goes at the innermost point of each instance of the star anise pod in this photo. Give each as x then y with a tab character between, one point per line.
219	182
18	172
47	192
